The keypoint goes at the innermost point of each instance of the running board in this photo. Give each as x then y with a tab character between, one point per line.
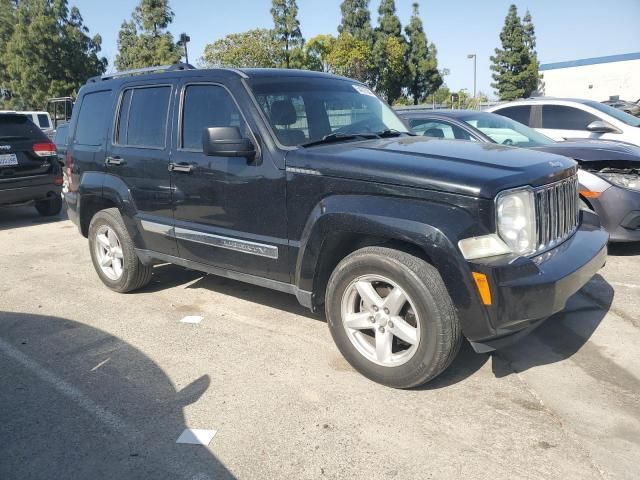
149	257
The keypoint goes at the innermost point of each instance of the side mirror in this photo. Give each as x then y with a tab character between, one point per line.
226	142
599	126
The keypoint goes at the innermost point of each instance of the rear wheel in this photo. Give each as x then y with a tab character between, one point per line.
113	253
391	317
49	207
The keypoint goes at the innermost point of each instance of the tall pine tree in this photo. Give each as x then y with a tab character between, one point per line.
530	42
287	32
389	52
423	76
49	53
515	64
356	19
144	41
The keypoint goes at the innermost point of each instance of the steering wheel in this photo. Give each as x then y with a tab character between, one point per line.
508	141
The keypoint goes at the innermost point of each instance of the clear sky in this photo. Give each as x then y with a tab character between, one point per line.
566	29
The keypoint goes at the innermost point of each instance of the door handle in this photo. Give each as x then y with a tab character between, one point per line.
116	161
180	167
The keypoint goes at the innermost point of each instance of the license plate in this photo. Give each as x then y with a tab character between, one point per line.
8	160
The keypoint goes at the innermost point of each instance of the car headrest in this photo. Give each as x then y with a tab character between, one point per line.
283	113
434	132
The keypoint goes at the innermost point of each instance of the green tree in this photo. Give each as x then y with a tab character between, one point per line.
7	21
533	75
49	53
144	40
317	51
423	75
389	52
515	69
350	57
287	32
356	19
252	49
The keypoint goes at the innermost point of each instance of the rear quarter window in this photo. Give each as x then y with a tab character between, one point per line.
93	119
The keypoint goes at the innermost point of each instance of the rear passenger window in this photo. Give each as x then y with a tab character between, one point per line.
560	117
207	106
142	117
43	120
519	114
93	119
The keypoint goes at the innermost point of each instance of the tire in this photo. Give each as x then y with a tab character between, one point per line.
133	275
428	306
50	207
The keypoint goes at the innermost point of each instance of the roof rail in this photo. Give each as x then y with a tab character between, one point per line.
140	71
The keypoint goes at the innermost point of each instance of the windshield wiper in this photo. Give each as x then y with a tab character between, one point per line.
338	137
390	132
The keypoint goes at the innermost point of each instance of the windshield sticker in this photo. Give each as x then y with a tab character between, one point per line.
363	90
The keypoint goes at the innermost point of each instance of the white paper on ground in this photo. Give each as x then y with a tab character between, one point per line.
196	436
192	319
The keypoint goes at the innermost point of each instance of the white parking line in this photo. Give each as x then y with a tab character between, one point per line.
196	436
69	391
192	319
628	285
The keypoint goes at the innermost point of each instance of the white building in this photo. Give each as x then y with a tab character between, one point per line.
594	78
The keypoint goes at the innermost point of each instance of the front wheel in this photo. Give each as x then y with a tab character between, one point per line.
391	317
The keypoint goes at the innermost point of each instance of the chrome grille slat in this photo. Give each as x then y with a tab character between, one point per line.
557	212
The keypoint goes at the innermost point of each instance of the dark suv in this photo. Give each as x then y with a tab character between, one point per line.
29	170
308	184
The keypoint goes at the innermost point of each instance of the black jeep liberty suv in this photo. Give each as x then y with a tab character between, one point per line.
307	183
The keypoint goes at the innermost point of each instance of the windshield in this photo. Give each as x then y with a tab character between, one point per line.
624	117
505	131
305	110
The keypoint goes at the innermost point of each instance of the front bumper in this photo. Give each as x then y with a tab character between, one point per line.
619	211
529	290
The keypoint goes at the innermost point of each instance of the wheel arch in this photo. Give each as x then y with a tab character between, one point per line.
99	191
339	226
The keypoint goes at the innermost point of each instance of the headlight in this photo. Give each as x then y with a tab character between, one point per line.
626	180
516	224
516	220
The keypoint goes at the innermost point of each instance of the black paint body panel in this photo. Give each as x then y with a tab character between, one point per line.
412	191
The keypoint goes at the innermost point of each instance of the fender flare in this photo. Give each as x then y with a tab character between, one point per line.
407	220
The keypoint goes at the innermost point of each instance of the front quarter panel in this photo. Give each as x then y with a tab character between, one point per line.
433	225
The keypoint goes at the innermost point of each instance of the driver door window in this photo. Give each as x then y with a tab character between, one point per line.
559	117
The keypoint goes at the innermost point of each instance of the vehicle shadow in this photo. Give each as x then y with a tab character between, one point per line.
466	363
26	216
624	249
77	402
168	276
559	337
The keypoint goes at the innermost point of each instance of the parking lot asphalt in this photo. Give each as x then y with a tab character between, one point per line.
95	384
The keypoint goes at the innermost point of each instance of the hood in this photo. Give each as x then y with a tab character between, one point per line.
467	168
594	150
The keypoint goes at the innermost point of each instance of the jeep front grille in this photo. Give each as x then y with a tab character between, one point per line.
557	212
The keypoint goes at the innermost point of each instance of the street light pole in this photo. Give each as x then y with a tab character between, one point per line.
470	56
